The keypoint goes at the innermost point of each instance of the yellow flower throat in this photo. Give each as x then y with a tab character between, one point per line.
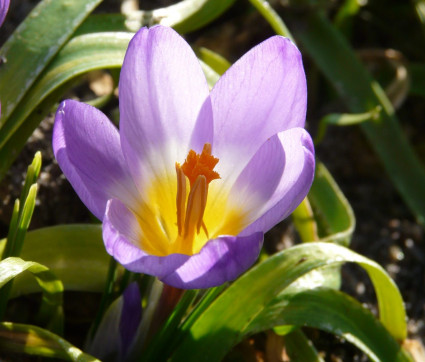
183	221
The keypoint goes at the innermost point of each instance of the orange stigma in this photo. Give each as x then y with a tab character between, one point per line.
199	170
200	164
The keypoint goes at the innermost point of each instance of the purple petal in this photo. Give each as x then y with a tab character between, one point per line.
131	316
203	131
121	235
162	89
87	147
294	182
258	181
4	6
220	260
261	95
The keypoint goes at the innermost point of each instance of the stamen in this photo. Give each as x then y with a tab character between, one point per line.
204	227
196	203
180	198
199	170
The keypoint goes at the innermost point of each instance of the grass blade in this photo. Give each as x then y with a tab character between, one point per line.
51	287
60	248
38	38
22	338
361	93
231	316
337	313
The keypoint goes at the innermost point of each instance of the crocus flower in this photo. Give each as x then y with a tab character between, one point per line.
4	6
193	179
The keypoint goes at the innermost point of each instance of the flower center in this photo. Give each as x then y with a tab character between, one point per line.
183	222
199	170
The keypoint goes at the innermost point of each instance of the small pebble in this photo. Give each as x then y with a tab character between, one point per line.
409	243
396	253
360	288
394	223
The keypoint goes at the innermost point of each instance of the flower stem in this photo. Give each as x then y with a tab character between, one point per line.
106	297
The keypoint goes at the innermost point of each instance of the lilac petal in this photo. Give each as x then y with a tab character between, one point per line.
121	235
260	178
131	316
4	7
220	260
87	147
203	131
261	95
162	88
293	183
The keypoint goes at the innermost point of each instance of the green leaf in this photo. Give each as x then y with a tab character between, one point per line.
210	74
299	348
102	23
334	215
284	330
327	217
51	286
185	16
13	229
304	222
420	11
23	210
344	16
191	15
345	120
38	38
163	343
22	338
272	17
207	299
81	55
107	295
26	216
335	312
75	253
21	218
230	317
32	176
417	77
361	94
160	346
215	61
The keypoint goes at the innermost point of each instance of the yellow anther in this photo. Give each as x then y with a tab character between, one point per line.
181	198
196	203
